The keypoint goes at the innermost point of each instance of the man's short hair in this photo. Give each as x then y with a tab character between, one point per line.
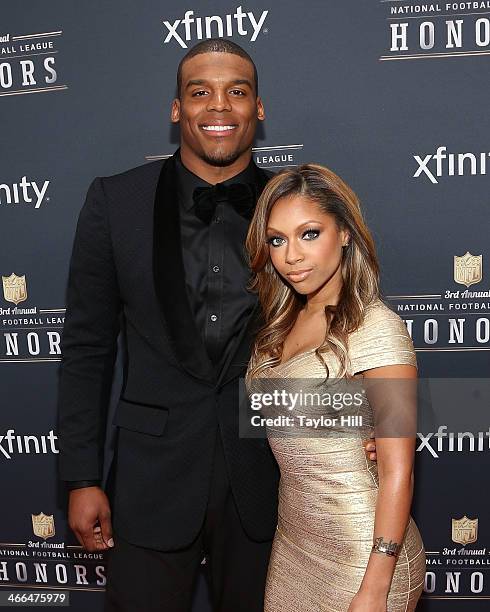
216	45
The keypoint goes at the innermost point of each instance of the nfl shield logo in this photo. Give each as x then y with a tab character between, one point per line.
467	269
43	525
464	530
14	288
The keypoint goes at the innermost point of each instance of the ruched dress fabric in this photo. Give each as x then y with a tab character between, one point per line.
328	491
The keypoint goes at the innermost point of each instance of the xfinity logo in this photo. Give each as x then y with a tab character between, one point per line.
25	192
11	444
450	164
448	441
188	28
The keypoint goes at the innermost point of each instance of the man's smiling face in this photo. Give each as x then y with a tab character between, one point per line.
218	108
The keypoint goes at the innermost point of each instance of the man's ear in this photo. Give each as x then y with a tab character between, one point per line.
260	109
175	111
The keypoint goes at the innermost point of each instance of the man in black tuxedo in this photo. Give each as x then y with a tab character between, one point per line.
159	256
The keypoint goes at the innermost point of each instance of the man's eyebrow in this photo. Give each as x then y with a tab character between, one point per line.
233	82
195	82
242	82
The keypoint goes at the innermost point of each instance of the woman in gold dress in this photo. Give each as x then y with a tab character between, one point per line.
345	541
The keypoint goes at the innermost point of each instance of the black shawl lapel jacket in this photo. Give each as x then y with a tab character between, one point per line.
127	274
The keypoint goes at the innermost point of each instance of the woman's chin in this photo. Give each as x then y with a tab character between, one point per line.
301	288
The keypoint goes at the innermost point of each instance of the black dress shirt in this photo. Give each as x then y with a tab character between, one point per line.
215	263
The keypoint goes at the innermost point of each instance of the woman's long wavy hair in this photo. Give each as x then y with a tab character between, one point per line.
280	303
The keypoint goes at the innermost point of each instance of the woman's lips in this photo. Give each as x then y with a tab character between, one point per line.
296	276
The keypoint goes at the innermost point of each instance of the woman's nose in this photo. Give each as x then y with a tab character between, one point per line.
293	254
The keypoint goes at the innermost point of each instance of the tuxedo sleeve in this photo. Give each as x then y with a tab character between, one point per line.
89	342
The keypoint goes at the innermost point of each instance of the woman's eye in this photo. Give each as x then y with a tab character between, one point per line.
275	241
311	234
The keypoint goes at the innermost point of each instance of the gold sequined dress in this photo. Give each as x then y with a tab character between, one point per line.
328	491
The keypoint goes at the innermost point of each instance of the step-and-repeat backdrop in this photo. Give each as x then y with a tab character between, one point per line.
391	95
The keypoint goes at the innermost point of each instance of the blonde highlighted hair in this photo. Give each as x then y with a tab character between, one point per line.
280	303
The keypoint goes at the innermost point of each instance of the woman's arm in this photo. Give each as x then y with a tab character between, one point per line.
395	450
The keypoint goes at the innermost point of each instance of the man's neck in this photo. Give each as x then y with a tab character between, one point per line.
213	174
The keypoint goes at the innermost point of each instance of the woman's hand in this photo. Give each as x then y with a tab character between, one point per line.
366	601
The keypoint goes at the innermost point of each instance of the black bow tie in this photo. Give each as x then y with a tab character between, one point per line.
241	196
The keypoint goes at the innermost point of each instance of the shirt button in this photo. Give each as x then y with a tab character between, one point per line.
215	268
213	318
217	219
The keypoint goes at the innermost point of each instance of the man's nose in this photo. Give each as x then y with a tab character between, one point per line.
219	101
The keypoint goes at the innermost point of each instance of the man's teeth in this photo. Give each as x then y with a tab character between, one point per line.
218	128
